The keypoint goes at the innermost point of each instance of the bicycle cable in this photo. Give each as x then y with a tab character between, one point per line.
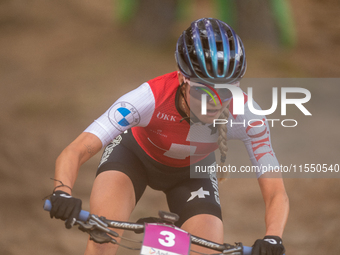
130	240
127	247
199	252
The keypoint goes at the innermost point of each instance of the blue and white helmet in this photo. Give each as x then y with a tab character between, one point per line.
210	51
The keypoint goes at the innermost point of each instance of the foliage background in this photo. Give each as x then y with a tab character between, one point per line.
63	63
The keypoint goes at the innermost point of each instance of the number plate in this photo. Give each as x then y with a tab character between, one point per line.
160	239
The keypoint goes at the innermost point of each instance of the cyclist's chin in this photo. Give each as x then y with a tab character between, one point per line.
207	119
210	115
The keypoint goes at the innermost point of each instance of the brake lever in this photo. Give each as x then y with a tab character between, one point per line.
97	233
94	223
85	227
99	224
101	237
236	249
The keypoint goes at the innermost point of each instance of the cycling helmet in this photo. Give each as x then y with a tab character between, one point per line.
210	52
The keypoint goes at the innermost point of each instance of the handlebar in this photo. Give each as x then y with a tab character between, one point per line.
85	216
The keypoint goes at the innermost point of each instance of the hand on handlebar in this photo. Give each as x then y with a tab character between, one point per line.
65	207
271	245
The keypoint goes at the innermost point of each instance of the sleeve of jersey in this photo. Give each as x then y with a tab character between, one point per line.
132	109
254	131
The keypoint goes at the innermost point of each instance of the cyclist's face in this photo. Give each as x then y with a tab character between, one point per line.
214	110
193	94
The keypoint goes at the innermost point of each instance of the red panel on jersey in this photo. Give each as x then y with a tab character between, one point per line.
165	138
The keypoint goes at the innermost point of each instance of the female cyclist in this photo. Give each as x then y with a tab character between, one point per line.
156	133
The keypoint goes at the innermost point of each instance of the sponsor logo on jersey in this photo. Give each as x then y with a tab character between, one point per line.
259	133
164	116
109	149
159	132
214	182
124	115
201	193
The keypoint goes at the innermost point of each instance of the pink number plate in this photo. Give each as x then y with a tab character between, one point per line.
162	239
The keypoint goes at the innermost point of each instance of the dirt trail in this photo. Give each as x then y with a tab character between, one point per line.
63	63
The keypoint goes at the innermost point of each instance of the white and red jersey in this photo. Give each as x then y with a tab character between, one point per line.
151	113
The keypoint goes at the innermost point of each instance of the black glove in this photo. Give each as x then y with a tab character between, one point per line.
65	207
269	245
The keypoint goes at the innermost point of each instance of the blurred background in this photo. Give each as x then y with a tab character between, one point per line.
63	63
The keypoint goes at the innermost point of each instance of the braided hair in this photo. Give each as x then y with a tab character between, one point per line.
222	142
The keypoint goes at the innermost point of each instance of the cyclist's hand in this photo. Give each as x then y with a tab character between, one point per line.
269	245
65	207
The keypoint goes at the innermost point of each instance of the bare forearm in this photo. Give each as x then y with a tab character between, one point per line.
72	157
277	210
66	170
277	204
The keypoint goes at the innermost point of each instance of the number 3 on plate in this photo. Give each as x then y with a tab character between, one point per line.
169	238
